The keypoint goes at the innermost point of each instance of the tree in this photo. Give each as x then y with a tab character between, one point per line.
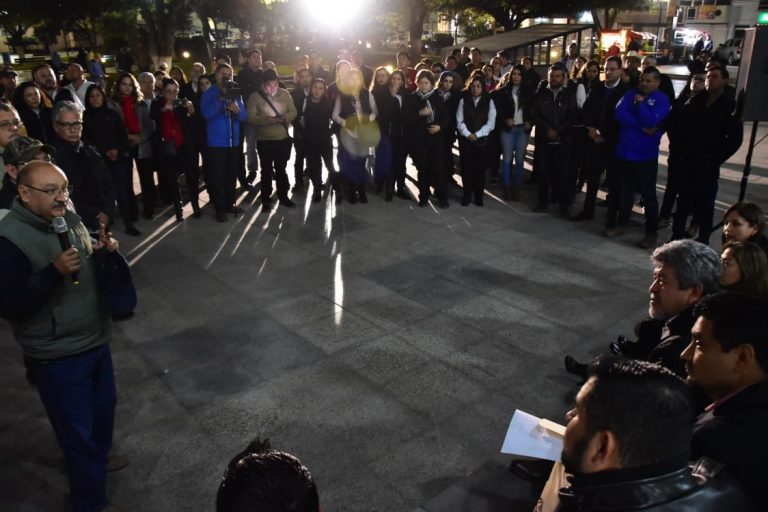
162	20
16	17
609	9
417	12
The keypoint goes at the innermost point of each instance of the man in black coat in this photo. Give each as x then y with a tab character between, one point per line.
553	113
627	446
250	78
602	133
17	153
93	193
728	360
711	135
684	272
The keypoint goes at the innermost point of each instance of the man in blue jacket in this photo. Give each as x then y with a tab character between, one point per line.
640	114
223	115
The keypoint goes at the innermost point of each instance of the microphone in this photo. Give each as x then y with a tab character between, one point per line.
60	228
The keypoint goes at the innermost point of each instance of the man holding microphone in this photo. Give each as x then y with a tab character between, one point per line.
62	323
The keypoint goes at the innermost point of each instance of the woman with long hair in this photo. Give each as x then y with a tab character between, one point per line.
355	112
513	120
104	128
475	120
745	222
178	74
391	152
173	141
28	100
380	89
128	100
745	269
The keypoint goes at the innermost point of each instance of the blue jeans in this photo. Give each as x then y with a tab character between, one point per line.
513	143
78	393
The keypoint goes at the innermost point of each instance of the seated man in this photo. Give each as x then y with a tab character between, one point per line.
684	271
627	446
728	359
259	478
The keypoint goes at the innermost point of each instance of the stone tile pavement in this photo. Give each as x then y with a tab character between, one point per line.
386	345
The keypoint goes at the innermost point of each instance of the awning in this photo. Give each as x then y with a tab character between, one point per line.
520	37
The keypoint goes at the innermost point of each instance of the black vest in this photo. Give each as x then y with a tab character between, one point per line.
475	117
348	104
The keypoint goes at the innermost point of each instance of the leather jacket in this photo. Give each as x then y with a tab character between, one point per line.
701	487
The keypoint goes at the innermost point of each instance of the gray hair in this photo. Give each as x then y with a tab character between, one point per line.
7	107
145	74
694	264
65	106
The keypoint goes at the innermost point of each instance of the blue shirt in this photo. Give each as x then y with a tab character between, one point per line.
221	132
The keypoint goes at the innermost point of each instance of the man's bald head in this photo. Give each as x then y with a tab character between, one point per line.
42	188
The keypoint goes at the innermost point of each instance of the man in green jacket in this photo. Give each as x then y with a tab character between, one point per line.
52	301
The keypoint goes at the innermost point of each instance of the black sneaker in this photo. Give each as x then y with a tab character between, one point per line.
287	203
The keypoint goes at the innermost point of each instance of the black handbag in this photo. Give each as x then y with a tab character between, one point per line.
481	141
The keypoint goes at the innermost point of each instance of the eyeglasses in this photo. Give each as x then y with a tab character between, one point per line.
12	123
53	192
71	126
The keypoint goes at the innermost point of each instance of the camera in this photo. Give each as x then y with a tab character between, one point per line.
230	91
179	103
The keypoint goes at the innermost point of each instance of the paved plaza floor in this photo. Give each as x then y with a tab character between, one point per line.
385	345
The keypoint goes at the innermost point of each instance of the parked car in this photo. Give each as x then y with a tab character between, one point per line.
729	51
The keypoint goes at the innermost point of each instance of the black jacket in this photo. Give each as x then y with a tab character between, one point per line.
317	125
249	80
675	336
709	133
298	96
667	88
671	487
86	172
733	433
391	112
556	112
505	105
39	126
7	192
599	110
416	125
105	129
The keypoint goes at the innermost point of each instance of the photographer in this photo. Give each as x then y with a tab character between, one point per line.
174	139
223	110
271	110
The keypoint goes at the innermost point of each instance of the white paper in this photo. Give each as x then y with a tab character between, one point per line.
527	438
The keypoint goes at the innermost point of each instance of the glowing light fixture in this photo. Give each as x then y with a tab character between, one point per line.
333	13
185	54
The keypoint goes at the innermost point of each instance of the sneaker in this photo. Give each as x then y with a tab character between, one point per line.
402	194
287	203
582	216
317	197
235	210
574	367
423	203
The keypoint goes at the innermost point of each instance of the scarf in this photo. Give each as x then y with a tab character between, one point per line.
425	99
128	108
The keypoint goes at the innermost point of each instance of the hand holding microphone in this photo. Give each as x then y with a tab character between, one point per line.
68	262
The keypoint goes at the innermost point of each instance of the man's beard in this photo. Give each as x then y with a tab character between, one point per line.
572	461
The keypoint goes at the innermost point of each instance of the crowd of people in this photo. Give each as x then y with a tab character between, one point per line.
669	421
589	132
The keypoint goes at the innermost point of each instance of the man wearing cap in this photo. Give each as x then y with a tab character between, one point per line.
18	152
52	301
7	84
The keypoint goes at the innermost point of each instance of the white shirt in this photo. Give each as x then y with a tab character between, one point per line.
486	129
518	117
80	91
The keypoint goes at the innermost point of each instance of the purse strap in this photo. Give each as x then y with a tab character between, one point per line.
266	99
